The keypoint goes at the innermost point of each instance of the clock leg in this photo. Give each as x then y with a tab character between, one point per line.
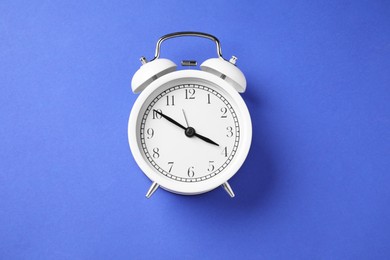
152	189
228	189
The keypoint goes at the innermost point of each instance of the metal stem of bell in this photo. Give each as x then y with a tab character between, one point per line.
233	60
228	189
152	189
143	60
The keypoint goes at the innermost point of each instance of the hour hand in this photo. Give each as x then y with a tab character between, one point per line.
206	139
190	131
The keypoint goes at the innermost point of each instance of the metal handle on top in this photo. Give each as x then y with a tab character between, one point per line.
181	34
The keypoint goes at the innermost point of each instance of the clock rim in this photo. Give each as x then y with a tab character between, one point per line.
191	188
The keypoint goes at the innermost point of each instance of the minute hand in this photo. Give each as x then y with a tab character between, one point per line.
170	119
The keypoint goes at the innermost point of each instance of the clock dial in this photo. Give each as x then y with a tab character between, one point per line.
189	132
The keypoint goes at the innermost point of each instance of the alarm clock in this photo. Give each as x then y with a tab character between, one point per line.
189	130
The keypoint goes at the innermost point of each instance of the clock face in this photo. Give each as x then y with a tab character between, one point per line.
189	133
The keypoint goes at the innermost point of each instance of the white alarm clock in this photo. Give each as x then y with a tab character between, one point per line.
189	130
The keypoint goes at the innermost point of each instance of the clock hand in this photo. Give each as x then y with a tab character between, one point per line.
170	119
189	131
196	134
206	139
185	118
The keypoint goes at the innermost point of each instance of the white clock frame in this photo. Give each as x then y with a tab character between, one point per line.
216	73
190	188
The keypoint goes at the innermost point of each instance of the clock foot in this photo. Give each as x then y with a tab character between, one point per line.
152	189
228	189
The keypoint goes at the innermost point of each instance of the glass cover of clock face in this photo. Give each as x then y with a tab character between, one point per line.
189	132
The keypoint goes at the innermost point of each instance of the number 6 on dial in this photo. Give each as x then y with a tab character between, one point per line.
189	130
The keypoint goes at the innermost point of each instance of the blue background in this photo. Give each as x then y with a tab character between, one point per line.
316	181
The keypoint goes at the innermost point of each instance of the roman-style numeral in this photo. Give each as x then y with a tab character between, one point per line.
170	100
224	112
190	93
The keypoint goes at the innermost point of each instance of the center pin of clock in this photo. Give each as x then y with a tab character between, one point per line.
190	131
